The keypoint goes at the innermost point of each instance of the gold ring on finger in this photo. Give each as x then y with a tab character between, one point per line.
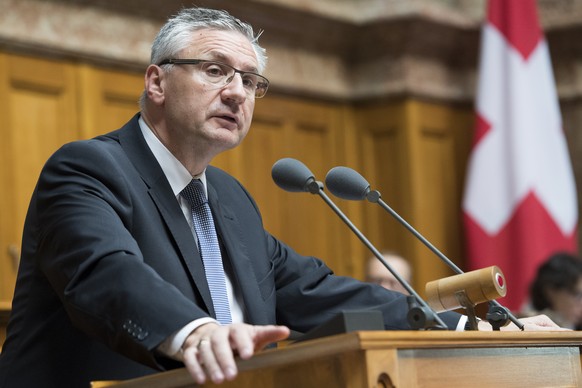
203	340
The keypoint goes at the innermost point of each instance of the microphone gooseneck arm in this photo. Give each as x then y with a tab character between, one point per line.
446	260
368	244
292	175
347	183
375	197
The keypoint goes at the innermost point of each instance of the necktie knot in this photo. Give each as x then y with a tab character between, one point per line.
194	193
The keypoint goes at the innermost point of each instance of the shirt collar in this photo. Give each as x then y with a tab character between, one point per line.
177	175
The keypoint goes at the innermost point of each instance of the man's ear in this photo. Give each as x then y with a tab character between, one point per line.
154	87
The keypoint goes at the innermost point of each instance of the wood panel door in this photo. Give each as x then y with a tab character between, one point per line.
38	114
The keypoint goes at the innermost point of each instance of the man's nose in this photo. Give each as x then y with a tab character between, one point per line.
235	89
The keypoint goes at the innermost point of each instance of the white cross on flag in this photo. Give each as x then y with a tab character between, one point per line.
520	197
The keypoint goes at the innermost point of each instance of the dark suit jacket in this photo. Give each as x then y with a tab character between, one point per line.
110	269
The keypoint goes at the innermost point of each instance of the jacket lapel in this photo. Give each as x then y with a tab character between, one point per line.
138	152
228	229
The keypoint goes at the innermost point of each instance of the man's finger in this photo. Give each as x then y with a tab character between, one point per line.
207	358
224	352
190	358
241	338
265	335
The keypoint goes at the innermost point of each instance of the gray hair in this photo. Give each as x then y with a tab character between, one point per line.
176	34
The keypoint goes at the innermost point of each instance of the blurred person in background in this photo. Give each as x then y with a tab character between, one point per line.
557	290
377	273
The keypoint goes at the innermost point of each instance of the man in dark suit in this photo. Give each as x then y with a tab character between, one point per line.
112	282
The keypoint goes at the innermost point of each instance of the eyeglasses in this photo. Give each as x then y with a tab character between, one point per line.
221	74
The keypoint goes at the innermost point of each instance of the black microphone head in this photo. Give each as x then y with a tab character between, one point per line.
292	175
345	183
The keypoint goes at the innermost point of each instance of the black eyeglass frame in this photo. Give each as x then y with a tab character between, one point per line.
187	61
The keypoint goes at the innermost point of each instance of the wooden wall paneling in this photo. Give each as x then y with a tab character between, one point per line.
8	262
317	226
414	153
386	165
8	246
307	131
462	123
350	138
432	183
39	115
109	98
440	138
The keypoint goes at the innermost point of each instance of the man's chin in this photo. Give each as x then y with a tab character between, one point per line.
227	139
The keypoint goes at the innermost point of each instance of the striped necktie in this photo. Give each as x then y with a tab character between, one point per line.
209	248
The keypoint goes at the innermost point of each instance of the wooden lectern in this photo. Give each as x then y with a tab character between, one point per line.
406	359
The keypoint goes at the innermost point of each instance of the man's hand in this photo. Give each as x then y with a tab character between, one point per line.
209	351
535	323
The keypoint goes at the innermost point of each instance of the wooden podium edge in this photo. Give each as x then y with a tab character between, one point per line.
366	340
473	339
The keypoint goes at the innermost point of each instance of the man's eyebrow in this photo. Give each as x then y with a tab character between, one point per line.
221	57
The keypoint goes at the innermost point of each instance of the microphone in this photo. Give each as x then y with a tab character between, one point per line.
467	289
347	183
292	175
